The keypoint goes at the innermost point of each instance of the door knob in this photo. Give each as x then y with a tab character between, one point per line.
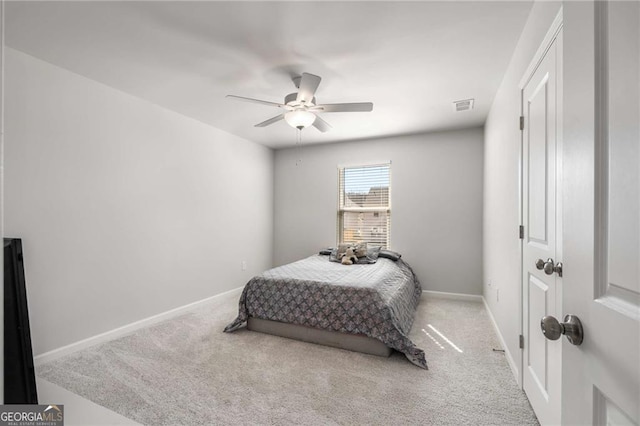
549	267
571	328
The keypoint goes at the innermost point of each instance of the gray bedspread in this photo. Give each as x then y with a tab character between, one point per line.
377	300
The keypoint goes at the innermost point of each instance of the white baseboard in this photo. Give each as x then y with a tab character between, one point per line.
507	354
126	329
454	296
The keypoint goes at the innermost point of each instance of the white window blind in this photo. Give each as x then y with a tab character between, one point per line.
364	208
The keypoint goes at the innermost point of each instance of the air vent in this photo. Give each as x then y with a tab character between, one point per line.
463	105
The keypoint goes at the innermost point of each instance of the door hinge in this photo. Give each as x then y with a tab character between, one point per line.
521	232
522	122
521	341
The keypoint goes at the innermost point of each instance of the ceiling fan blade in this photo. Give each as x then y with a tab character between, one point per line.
321	125
270	121
308	85
257	101
351	107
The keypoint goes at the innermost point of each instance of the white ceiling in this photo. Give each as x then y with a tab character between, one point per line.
411	59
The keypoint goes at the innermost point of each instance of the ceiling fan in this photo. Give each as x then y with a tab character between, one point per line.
301	108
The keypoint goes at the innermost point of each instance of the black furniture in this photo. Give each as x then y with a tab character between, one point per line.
19	372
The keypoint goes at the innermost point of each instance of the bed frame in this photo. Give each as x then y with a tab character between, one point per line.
351	342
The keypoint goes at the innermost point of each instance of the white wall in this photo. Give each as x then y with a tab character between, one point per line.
501	261
436	191
125	209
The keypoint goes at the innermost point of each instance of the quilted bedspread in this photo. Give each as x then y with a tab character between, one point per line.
377	300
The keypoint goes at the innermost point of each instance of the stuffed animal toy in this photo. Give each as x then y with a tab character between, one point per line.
360	249
349	257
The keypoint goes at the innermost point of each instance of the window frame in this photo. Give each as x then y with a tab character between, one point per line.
342	209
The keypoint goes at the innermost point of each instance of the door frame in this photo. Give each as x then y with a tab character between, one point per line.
2	13
549	38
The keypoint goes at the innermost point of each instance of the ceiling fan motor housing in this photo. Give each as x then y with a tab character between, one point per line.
292	100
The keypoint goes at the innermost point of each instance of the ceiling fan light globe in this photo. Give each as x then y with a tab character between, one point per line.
300	118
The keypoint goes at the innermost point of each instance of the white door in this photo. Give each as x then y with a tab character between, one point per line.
601	223
541	288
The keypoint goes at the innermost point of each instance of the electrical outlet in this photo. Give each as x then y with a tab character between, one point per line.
497	294
243	265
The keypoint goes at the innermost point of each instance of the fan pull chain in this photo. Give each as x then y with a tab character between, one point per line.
299	146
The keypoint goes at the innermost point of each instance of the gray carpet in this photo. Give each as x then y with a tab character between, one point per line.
185	371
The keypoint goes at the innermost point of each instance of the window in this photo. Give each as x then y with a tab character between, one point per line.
364	208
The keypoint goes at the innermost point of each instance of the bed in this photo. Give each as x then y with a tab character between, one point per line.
364	307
